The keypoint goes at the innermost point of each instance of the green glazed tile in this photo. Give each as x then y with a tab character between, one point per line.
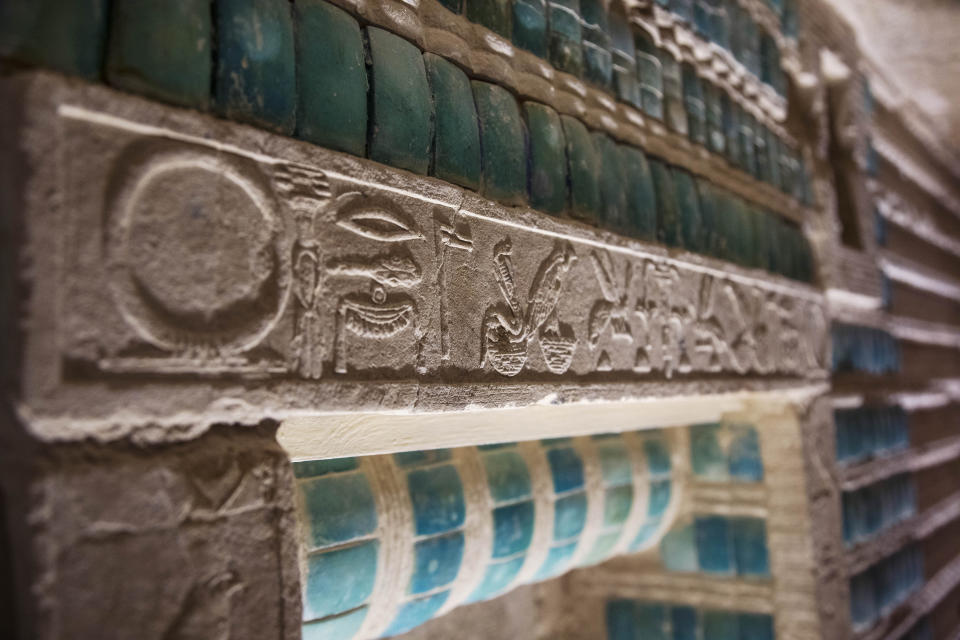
750	546
338	508
641	197
337	628
626	83
496	578
602	547
256	77
597	66
684	621
675	113
507	475
564	36
773	151
678	549
721	625
66	35
617	504
339	580
416	612
437	496
695	105
668	210
710	218
400	127
615	463
716	137
422	457
660	491
584	170
688	201
714	544
314	468
747	147
658	457
332	78
612	184
502	142
162	50
569	516
548	161
557	561
530	26
456	147
706	455
495	15
650	73
762	152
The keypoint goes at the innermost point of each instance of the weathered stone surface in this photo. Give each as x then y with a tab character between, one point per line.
256	67
456	145
162	50
503	143
402	117
332	78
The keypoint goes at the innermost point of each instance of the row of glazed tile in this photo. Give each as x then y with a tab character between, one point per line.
309	69
639	620
877	590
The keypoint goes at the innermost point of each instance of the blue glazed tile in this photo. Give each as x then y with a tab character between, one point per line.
684	623
512	529
678	549
659	498
497	577
706	456
406	459
658	457
744	454
621	620
339	628
256	79
557	561
456	143
416	612
720	625
651	621
437	496
339	508
507	475
645	534
400	127
750	546
315	468
650	73
339	580
332	78
597	66
713	544
626	84
756	626
615	463
530	26
436	562
616	505
602	547
566	469
570	514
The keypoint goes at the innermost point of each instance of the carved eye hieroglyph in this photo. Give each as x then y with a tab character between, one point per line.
377	222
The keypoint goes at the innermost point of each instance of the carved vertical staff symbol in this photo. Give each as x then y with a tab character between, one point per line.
307	193
448	234
508	330
378	314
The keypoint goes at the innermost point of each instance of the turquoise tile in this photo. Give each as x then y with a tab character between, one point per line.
566	469
569	516
584	164
496	15
497	577
750	546
675	113
621	620
512	528
650	73
706	457
597	66
756	626
507	475
714	544
502	142
616	505
688	203
602	548
162	50
683	621
659	498
339	508
436	562
437	496
548	160
407	459
314	468
456	146
564	36
744	454
530	26
65	35
331	78
341	627
720	625
256	78
678	549
400	130
339	580
416	612
651	621
641	197
668	210
645	535
612	185
615	463
557	561
713	240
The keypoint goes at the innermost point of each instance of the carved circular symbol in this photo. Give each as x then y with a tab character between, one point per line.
193	254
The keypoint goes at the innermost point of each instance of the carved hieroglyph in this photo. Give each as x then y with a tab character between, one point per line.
220	260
